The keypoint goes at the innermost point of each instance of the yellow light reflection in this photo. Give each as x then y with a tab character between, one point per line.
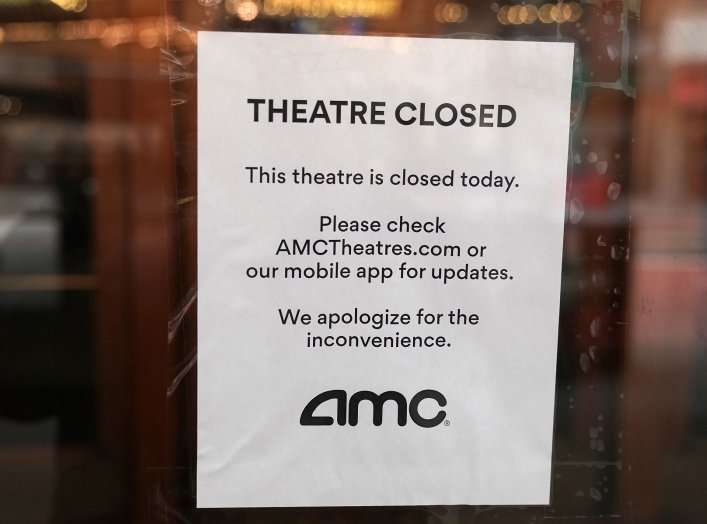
514	15
118	33
149	37
528	14
246	10
545	13
344	8
144	31
28	32
557	13
340	8
575	12
502	15
451	12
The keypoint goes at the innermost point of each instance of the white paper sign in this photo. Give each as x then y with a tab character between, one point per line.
380	241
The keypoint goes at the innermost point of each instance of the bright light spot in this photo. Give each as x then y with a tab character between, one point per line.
246	10
71	5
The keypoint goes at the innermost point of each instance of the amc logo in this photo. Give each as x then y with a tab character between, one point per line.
308	418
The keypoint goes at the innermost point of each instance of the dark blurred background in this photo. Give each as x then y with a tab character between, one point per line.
98	259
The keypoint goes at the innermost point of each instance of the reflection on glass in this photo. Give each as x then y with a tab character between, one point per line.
97	260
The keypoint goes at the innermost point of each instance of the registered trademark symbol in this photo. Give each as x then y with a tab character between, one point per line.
446	423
